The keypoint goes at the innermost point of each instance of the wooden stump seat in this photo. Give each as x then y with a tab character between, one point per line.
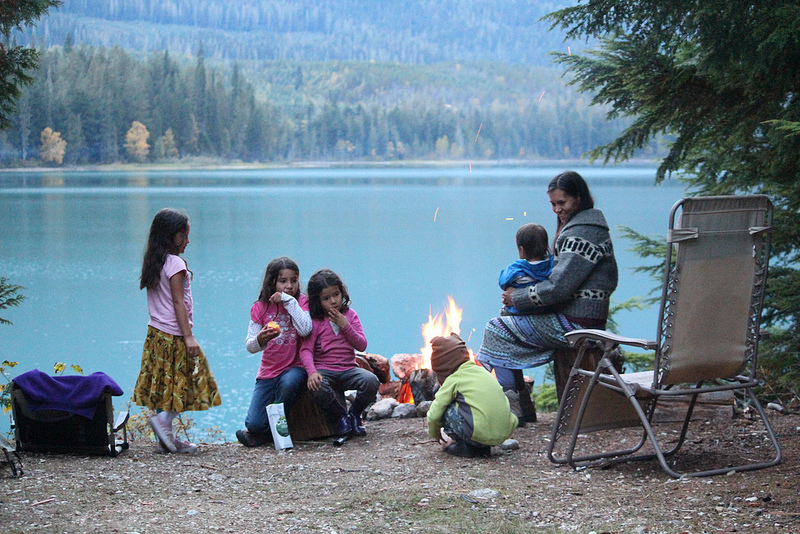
307	421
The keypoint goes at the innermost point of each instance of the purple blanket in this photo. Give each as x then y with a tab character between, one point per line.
73	393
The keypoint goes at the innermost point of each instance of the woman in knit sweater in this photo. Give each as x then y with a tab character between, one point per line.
575	296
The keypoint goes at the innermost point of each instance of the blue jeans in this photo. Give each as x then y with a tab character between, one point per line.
504	376
284	388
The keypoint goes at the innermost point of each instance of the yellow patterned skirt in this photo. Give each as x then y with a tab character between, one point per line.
170	379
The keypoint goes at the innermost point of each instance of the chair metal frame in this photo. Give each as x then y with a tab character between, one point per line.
28	439
605	399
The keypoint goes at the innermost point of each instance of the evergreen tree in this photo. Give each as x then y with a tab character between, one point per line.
170	149
199	91
721	77
16	62
76	141
9	296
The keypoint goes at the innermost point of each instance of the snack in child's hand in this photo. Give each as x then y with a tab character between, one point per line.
276	326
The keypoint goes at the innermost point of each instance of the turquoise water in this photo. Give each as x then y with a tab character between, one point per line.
403	240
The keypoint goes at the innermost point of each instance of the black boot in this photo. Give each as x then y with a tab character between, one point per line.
527	407
358	426
343	425
356	409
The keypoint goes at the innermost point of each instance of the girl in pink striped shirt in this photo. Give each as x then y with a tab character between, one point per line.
278	319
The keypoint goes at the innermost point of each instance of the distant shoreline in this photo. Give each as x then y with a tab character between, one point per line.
202	164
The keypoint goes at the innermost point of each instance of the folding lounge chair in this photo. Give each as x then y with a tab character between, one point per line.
708	333
10	457
67	414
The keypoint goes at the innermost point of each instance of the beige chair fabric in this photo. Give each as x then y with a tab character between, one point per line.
707	336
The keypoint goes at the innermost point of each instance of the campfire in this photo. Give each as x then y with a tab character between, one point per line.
418	381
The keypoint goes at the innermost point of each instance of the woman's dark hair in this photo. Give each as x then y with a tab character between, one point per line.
319	281
166	225
270	283
574	185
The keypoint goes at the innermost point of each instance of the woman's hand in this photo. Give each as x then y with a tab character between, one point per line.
266	334
337	317
314	381
508	297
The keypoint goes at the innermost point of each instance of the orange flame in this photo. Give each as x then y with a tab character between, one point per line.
441	326
436	326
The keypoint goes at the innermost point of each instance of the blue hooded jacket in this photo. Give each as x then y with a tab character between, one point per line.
536	272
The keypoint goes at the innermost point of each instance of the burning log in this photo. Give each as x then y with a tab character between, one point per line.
423	384
418	382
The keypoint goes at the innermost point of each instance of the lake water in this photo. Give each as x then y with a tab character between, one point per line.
403	240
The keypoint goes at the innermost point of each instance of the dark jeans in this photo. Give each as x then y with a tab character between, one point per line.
283	388
335	383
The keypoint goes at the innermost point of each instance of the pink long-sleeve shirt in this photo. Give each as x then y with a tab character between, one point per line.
327	349
279	353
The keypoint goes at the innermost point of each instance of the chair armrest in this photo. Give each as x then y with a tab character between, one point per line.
121	420
607	339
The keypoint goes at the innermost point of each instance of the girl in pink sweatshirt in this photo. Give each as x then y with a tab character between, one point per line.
328	354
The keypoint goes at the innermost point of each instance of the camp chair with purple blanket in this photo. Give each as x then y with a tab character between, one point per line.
707	343
67	414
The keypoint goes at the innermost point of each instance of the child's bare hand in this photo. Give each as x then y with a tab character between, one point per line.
192	346
314	381
276	298
444	440
267	333
337	317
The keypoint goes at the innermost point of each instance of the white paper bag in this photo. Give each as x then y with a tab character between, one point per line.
279	426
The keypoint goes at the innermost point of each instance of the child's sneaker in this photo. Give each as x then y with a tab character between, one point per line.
161	447
251	440
465	450
185	447
163	433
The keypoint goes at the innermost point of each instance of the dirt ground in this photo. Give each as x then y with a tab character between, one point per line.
397	480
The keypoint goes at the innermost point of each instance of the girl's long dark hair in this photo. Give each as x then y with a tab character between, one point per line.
270	283
166	224
319	281
573	184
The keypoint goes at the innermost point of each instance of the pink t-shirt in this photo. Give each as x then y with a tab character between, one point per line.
281	353
159	300
325	348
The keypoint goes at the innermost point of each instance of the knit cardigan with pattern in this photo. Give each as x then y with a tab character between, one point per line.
584	276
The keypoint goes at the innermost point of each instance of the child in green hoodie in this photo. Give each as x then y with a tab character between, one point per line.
470	405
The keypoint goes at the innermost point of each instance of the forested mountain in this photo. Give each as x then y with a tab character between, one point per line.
332	110
404	31
146	80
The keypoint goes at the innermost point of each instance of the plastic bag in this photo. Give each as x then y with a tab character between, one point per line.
279	427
